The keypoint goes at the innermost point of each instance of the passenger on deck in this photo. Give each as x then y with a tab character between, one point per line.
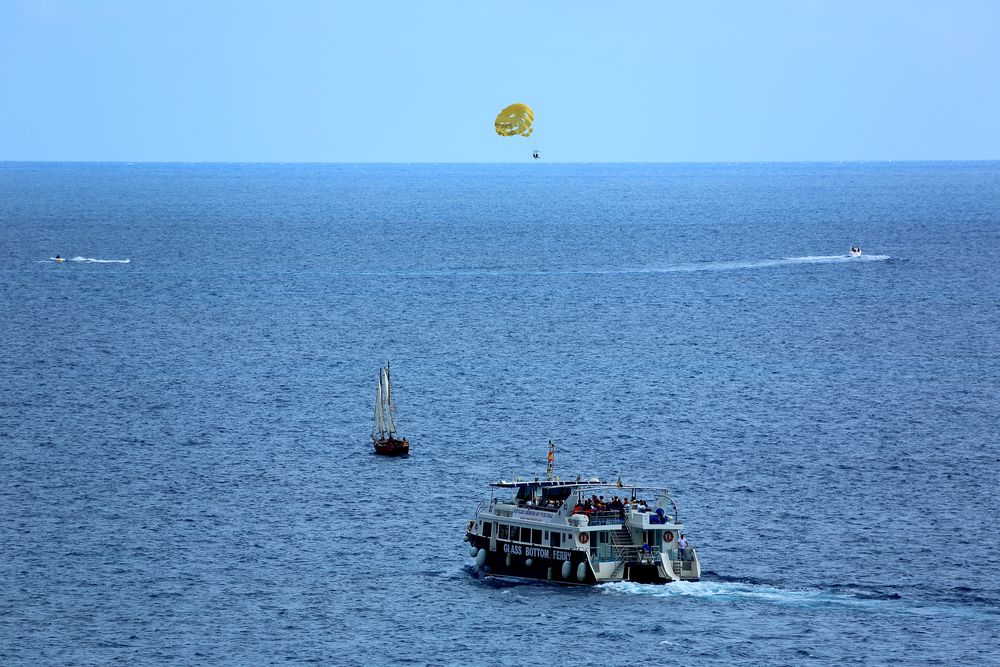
682	545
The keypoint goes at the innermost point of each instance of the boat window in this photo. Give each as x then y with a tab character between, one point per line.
487	529
602	537
515	533
502	533
556	493
554	539
536	535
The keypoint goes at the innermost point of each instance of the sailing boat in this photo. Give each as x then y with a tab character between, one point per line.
384	437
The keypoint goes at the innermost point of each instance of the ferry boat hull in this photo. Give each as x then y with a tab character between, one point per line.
518	561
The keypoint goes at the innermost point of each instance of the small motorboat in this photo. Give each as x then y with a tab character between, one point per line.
58	259
855	251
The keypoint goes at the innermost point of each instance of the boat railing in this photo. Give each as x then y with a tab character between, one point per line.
605	517
538	507
634	554
495	507
688	556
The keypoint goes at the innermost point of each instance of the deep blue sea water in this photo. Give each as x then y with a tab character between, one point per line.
186	475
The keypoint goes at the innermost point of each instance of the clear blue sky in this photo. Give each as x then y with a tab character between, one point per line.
656	80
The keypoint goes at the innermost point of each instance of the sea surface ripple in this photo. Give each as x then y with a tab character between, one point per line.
185	470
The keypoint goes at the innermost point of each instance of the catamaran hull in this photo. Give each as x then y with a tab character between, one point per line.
511	560
521	561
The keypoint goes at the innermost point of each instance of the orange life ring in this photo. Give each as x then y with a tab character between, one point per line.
668	536
584	538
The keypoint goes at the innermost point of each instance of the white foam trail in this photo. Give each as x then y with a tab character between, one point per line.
727	591
96	261
723	265
721	590
764	263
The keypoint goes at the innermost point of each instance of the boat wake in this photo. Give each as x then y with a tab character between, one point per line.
737	591
766	263
94	260
723	589
687	267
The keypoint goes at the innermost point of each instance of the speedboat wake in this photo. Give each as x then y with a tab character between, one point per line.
93	260
766	263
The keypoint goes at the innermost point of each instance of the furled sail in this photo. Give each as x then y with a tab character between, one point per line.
379	408
388	403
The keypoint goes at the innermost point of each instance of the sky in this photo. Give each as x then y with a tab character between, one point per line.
386	81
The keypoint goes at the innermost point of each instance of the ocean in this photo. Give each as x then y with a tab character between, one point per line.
186	474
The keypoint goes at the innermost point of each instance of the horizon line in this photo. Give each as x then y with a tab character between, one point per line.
466	162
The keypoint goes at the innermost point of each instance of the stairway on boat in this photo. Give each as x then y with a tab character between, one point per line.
624	546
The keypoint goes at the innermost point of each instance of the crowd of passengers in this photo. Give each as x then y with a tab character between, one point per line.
596	504
618	505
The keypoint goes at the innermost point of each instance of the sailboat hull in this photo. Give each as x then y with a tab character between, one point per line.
391	446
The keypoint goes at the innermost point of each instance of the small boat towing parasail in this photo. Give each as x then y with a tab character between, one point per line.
580	532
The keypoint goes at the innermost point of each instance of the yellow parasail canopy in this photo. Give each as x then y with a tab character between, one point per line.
515	119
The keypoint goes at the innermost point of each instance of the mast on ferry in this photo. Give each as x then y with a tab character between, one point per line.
550	467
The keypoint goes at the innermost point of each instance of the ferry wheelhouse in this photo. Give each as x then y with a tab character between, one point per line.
581	532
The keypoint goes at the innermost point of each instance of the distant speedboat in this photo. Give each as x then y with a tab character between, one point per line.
384	437
58	259
855	251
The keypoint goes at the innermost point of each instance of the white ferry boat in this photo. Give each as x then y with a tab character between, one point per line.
582	532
